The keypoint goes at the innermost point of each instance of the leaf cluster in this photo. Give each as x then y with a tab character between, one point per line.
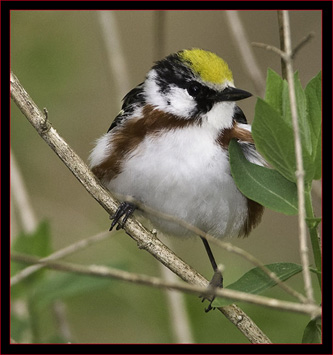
275	186
273	135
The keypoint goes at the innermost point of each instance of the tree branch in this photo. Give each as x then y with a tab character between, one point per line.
133	228
108	272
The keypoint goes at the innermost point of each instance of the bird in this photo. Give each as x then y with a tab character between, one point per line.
168	149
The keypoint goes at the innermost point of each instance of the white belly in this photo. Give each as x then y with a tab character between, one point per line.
184	173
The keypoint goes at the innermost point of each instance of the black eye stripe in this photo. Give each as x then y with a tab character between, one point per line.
199	91
195	89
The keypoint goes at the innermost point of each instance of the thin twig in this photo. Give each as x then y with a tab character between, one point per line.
60	254
282	44
299	160
135	230
269	48
301	44
108	272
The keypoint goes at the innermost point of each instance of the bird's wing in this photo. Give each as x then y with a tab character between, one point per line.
239	115
131	101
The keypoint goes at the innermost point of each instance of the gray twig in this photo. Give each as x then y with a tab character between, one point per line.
108	272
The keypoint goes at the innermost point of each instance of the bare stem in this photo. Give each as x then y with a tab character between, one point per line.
302	42
304	250
282	44
108	272
269	48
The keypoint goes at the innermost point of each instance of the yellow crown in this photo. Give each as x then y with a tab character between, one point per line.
208	65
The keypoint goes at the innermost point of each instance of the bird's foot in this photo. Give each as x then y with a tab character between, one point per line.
124	210
216	282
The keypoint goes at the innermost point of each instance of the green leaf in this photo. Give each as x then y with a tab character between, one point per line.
302	116
274	139
272	127
256	281
276	88
263	185
312	332
277	95
313	97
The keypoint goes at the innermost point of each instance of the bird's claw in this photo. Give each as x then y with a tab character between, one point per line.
124	210
216	282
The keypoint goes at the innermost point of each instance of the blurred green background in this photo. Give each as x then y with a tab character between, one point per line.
61	59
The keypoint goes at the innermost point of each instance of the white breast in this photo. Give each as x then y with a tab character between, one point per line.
184	173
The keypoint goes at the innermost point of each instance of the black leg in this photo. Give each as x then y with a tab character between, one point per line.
124	210
217	279
210	253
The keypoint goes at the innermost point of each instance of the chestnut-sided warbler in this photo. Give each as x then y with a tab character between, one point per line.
168	149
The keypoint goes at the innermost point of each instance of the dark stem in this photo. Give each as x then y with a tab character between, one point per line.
282	44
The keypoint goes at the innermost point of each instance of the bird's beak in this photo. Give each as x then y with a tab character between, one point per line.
231	94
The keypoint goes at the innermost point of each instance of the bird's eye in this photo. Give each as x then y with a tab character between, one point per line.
194	89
